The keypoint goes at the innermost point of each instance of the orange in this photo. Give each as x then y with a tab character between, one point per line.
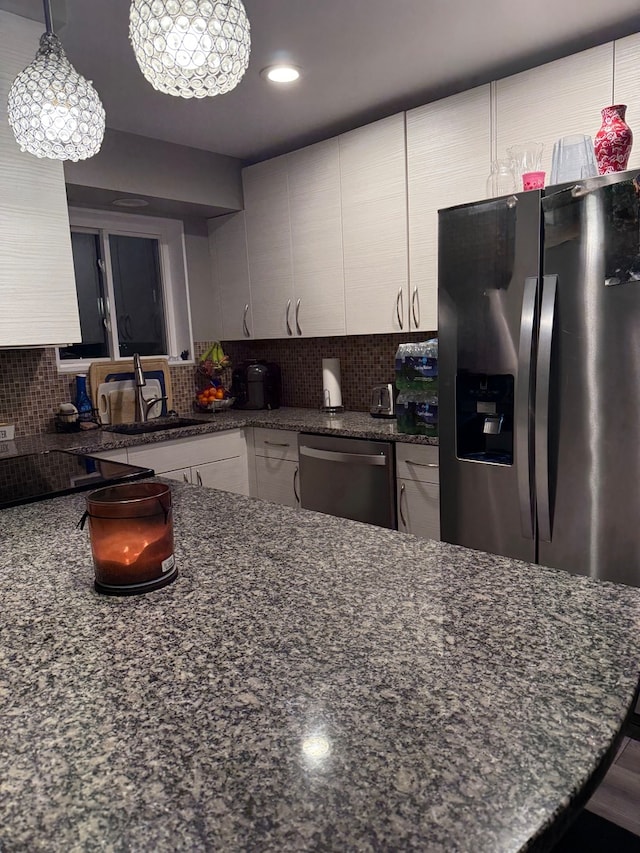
219	392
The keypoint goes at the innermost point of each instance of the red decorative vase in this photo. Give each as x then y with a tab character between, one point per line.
613	141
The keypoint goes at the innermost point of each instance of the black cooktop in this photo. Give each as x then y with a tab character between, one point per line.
36	476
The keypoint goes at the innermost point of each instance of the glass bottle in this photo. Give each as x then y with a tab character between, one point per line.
501	180
83	403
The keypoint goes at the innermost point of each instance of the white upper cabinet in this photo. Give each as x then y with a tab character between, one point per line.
228	250
374	227
448	161
626	89
554	100
316	241
342	236
266	200
38	302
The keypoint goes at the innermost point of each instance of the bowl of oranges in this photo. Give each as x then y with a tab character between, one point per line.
213	399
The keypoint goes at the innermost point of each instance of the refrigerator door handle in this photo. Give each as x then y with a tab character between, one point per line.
523	444
543	379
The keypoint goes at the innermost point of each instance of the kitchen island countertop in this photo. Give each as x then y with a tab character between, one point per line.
307	683
348	424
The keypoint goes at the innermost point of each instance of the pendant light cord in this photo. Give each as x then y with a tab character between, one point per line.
48	19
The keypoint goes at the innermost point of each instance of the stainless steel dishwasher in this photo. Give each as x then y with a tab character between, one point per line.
349	477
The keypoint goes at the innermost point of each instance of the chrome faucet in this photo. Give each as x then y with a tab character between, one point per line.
143	406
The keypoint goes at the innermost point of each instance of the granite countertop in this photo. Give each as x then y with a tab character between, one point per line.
307	683
350	424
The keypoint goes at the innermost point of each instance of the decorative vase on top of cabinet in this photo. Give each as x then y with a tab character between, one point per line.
613	141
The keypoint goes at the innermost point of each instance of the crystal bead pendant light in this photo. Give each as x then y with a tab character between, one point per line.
53	111
190	48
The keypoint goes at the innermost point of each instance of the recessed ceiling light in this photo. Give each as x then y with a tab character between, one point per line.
281	73
130	202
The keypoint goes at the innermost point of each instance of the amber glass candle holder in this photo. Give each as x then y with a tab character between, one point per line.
131	531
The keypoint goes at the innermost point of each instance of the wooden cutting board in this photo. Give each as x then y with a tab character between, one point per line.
154	368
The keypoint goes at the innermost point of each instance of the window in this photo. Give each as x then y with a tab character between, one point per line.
132	289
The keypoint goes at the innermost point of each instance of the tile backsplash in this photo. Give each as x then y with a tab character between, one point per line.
365	360
31	387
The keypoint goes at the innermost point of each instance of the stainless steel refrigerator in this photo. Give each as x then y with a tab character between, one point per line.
539	372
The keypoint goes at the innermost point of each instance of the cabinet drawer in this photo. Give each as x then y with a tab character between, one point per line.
186	452
417	462
276	443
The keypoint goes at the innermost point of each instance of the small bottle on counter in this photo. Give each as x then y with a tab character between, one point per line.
83	403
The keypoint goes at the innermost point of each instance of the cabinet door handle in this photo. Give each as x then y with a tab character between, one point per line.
295	480
423	464
289	330
298	329
276	443
344	458
402	494
245	328
414	302
400	307
198	478
184	477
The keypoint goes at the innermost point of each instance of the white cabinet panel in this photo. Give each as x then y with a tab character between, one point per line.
229	475
277	480
38	302
316	240
419	508
554	100
626	90
448	161
374	226
266	198
111	455
228	249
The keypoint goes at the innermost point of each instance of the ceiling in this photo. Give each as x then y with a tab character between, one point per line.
362	60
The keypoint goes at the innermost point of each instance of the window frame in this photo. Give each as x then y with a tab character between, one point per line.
173	270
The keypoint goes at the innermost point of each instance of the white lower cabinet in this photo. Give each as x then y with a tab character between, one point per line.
217	460
276	459
418	490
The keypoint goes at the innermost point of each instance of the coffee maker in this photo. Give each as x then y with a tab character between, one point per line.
256	385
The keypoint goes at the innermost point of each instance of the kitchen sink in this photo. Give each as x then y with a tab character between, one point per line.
156	425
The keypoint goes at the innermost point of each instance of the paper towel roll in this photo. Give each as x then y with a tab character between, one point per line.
331	393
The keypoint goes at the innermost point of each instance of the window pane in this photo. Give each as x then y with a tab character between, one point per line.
86	255
138	293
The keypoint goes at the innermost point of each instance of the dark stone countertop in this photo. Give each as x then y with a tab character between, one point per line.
307	683
350	424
